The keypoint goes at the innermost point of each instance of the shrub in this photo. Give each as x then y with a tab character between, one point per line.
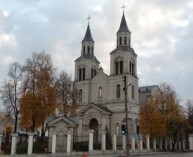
80	146
22	148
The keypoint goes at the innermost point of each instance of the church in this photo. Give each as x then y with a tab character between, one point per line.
101	99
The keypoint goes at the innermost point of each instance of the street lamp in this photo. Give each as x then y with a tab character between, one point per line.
126	114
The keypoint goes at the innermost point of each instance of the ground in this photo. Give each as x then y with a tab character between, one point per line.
171	155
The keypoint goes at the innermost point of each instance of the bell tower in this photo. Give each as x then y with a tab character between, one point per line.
123	57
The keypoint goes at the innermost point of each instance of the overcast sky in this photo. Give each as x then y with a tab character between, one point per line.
162	35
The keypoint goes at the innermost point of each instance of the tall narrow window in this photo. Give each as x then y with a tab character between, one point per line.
100	92
133	69
125	40
118	91
80	95
132	92
117	68
120	40
80	74
83	71
130	67
84	49
121	67
92	72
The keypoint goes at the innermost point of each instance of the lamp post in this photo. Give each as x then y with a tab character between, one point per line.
126	114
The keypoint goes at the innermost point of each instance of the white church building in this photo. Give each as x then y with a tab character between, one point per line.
101	99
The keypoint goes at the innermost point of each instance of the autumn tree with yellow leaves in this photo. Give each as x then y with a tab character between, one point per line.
38	100
162	115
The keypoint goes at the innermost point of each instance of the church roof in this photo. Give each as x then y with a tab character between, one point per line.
123	26
147	88
88	56
88	36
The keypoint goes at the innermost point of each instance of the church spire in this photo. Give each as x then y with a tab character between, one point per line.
123	26
123	34
88	36
88	42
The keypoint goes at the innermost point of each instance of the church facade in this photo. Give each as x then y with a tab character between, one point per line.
101	101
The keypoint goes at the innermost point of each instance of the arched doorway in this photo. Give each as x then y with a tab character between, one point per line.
94	126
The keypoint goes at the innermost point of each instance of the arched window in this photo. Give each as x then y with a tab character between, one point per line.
80	74
133	69
132	92
88	49
83	71
130	67
100	92
125	40
120	40
117	68
84	49
118	91
92	72
80	95
121	67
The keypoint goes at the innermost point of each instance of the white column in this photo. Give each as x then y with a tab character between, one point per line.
170	144
190	142
166	143
30	143
53	142
175	146
154	143
104	141
1	137
91	140
114	142
124	142
69	139
13	144
141	142
161	143
133	143
147	142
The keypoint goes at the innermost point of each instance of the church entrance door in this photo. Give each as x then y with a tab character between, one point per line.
94	126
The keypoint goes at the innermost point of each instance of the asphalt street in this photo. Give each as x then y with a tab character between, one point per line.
190	154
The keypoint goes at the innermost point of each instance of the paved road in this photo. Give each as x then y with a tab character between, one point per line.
171	155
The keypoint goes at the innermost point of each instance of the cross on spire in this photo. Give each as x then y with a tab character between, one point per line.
123	7
88	18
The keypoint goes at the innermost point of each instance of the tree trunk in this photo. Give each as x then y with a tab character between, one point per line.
42	132
15	129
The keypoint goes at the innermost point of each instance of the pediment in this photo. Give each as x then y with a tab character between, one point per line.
100	75
61	119
92	106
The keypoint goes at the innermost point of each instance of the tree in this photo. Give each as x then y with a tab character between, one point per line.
151	121
189	113
11	91
38	91
66	94
162	115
